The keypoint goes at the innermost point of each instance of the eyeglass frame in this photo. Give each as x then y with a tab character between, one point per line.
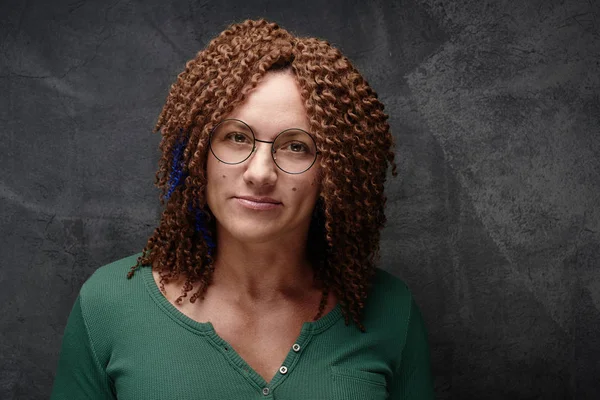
254	148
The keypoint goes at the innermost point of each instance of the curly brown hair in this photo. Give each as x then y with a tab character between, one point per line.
351	132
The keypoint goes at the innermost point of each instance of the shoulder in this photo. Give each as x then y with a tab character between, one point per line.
389	288
109	283
111	273
389	303
109	303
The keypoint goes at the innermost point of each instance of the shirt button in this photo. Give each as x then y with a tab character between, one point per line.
283	369
296	347
265	391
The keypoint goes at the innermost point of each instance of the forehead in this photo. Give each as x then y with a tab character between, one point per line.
274	105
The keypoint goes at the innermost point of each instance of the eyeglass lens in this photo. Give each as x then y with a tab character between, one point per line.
232	142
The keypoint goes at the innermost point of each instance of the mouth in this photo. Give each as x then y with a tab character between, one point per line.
256	205
256	199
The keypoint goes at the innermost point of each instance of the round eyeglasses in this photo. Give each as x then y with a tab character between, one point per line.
294	150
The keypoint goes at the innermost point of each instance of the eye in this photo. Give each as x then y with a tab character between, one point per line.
298	147
237	137
295	147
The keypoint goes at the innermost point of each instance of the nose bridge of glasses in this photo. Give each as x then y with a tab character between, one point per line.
267	143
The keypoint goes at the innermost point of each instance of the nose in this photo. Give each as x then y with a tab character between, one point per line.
261	169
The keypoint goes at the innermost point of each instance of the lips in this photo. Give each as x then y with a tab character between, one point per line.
257	206
257	199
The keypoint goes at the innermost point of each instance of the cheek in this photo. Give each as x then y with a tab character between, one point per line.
316	180
305	189
214	176
213	169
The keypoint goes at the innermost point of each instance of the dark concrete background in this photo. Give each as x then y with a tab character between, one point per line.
494	221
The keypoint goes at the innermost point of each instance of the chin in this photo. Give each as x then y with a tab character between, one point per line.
252	231
256	237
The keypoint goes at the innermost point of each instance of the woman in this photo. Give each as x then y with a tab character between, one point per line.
275	152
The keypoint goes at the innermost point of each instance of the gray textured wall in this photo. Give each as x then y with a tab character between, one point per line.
494	221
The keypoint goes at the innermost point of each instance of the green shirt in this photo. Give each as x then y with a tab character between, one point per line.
125	340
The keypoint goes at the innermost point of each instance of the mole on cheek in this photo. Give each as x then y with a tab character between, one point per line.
294	189
224	176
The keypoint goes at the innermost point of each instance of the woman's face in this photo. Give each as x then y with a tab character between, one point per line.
272	107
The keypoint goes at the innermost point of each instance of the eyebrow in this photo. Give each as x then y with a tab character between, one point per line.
254	130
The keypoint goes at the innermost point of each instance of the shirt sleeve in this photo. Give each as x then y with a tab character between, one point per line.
79	374
412	378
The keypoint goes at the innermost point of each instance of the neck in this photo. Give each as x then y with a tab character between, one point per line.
263	274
